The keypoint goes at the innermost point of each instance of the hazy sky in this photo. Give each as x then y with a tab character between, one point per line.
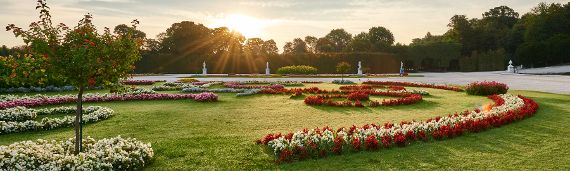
279	20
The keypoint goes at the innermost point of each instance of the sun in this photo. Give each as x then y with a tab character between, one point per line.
246	25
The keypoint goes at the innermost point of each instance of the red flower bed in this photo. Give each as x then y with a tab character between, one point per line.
374	137
410	84
413	98
356	87
396	88
485	88
359	95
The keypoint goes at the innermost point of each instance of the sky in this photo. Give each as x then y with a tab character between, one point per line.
281	20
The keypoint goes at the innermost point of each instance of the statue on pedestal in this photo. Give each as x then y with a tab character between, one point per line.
204	69
267	69
401	68
359	68
511	68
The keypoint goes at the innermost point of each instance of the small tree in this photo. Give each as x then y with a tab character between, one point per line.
343	68
82	55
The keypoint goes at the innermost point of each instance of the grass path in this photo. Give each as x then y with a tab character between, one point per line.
188	135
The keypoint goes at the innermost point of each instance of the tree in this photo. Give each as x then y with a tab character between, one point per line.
339	39
81	54
324	45
123	29
343	68
270	48
360	43
380	38
254	46
311	43
298	46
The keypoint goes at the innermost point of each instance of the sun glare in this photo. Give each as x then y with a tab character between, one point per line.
246	25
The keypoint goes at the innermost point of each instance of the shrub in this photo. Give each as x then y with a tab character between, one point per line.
297	69
342	82
486	88
187	80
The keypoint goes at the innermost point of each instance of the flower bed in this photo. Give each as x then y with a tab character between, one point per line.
356	87
485	88
140	82
43	89
206	97
325	97
410	84
239	85
105	154
30	101
314	143
20	119
186	80
342	82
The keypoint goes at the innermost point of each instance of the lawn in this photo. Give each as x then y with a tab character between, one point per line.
188	135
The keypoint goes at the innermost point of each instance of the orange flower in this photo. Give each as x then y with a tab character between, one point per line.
487	107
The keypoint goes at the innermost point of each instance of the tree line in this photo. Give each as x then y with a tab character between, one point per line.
538	38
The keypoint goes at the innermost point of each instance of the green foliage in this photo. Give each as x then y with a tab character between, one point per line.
297	69
343	67
81	55
486	61
28	70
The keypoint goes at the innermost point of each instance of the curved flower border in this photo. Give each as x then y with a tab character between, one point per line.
20	119
411	84
31	101
314	143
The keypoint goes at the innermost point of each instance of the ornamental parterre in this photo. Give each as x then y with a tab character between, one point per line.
315	143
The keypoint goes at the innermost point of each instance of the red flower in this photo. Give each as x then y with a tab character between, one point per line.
338	142
399	139
386	141
422	135
285	155
356	143
410	135
371	142
314	100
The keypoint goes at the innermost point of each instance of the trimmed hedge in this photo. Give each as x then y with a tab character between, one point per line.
297	69
486	88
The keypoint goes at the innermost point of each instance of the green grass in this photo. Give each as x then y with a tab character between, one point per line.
188	135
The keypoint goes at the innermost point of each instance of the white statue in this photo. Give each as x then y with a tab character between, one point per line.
267	69
511	68
359	68
401	68
204	69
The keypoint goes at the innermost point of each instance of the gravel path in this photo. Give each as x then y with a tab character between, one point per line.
545	83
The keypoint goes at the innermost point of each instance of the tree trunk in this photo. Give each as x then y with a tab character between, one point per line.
78	119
